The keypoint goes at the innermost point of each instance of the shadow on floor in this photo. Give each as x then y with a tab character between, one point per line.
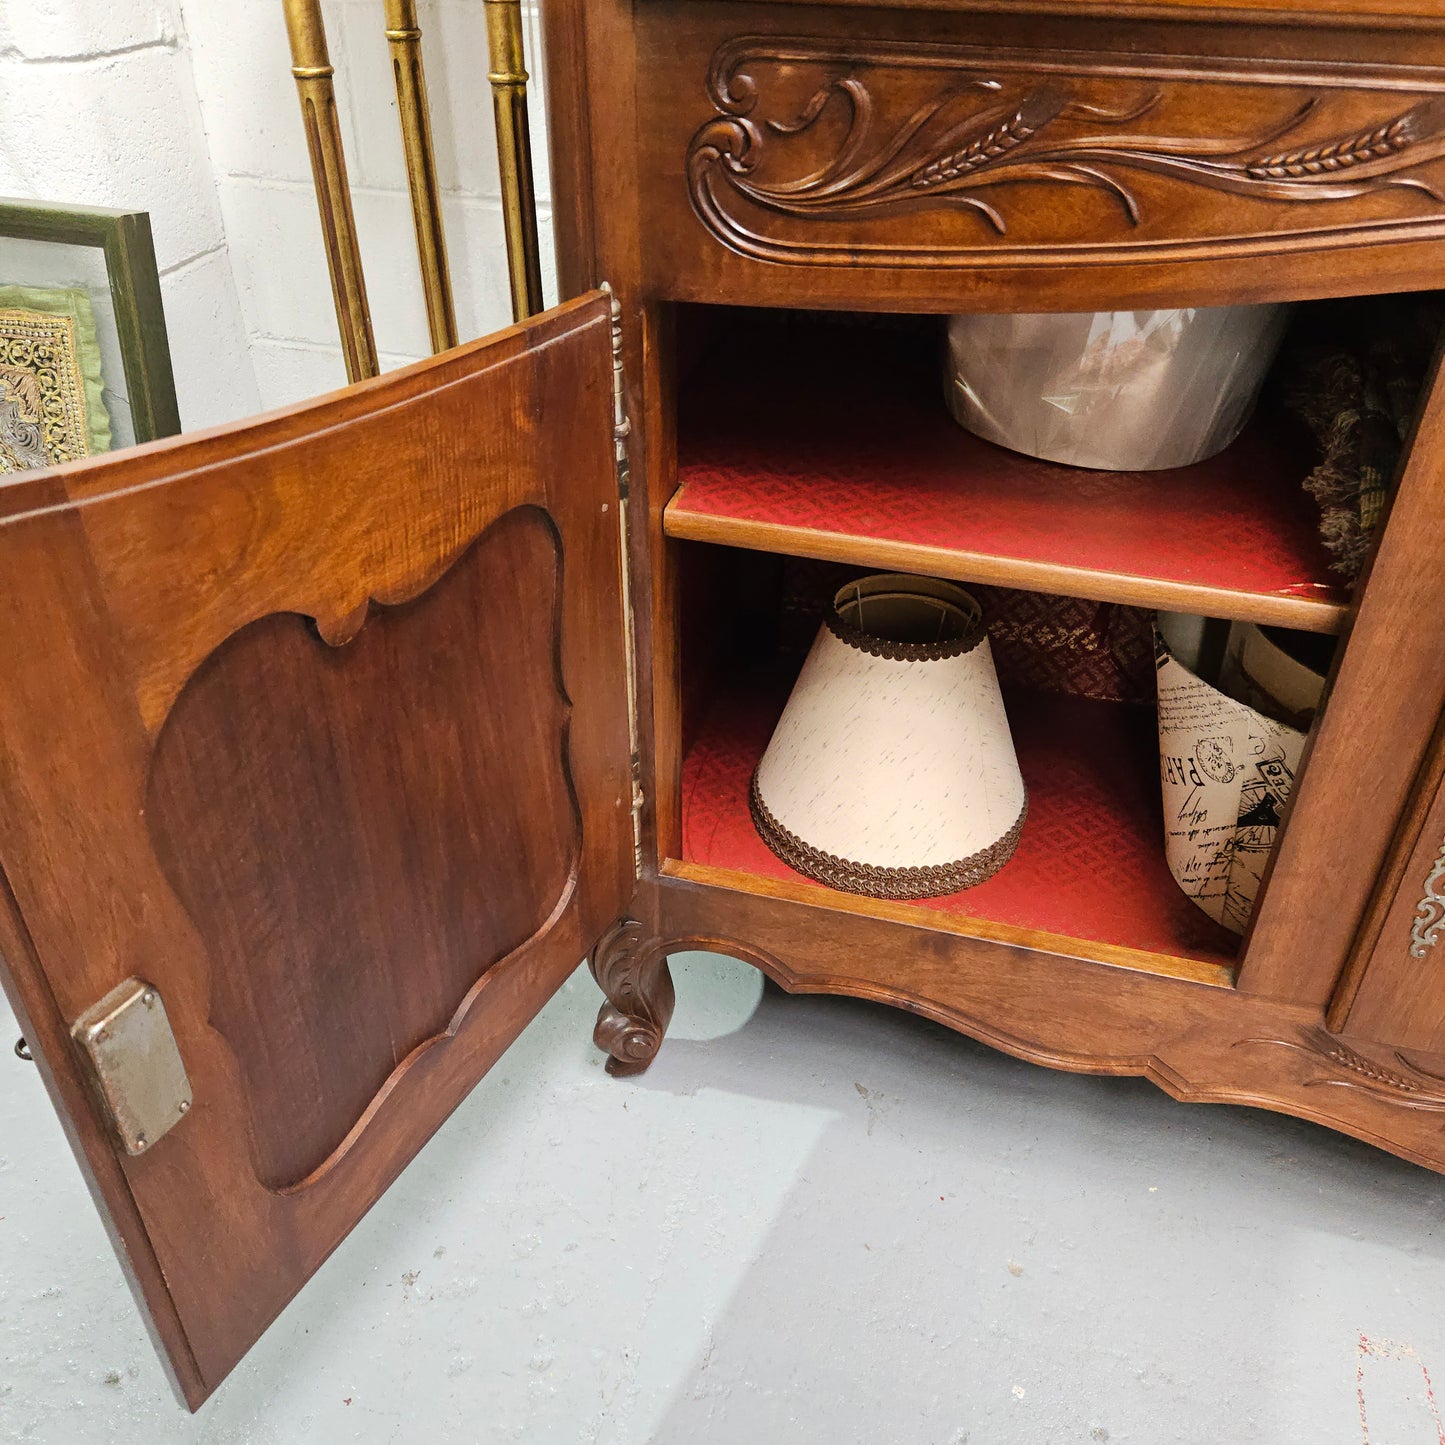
978	1249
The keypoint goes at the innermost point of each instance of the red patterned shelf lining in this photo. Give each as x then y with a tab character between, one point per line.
1090	864
844	432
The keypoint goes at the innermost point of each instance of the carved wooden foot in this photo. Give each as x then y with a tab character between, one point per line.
631	969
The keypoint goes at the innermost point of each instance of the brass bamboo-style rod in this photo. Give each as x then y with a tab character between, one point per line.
404	37
311	65
514	154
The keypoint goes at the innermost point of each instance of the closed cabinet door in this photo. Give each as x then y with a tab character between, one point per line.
1393	993
314	786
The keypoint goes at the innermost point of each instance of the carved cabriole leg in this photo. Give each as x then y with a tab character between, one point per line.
630	967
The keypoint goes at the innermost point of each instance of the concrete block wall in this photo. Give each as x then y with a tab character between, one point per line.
187	109
101	108
263	180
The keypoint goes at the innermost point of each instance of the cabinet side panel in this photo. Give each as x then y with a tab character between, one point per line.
569	144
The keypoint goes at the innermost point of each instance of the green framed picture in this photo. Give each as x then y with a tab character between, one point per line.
85	364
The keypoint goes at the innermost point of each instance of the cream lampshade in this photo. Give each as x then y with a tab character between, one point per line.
892	771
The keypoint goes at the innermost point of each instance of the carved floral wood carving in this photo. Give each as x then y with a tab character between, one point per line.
810	136
1398	1082
356	868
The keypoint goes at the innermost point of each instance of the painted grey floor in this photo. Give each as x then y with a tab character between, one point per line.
815	1220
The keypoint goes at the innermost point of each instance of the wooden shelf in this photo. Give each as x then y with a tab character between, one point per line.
1088	880
834	442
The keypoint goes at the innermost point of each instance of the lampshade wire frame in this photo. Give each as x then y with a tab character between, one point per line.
943	608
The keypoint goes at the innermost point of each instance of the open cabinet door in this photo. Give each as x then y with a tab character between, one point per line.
314	758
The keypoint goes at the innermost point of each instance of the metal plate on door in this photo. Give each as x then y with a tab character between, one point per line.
135	1063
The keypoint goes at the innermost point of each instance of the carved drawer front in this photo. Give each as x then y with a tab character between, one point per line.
1400	968
893	164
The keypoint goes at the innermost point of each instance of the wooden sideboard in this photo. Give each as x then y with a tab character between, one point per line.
341	735
717	157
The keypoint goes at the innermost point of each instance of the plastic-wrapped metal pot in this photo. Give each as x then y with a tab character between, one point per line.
1117	390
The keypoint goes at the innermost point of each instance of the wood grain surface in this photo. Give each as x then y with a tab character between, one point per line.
901	159
744	153
319	725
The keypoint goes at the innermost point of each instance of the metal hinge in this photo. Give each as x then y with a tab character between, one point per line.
135	1065
621	430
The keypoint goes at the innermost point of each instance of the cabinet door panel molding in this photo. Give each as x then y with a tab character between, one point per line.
275	744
